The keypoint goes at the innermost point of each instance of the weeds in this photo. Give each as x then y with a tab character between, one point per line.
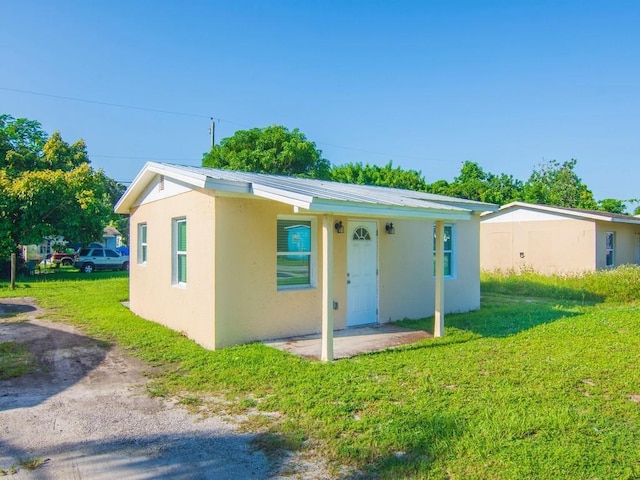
15	360
24	463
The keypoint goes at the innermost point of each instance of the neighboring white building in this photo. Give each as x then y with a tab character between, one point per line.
556	239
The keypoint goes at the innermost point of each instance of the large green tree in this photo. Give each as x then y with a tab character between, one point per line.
273	149
473	183
555	183
387	176
48	188
612	205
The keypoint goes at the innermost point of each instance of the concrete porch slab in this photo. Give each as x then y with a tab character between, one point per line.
351	341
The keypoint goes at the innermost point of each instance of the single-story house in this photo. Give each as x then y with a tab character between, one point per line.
551	239
232	257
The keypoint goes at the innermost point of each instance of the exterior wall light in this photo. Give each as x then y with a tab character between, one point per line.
389	228
339	227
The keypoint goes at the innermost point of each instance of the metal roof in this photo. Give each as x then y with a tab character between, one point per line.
309	194
573	212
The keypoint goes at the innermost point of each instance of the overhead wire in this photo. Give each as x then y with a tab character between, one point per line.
194	115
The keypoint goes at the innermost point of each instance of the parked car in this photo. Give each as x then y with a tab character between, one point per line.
99	258
63	258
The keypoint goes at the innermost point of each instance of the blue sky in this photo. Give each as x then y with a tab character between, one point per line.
429	85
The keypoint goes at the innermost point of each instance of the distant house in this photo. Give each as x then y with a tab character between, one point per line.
556	239
111	238
232	257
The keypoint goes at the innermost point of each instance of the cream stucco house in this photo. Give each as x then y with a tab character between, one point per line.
557	240
232	257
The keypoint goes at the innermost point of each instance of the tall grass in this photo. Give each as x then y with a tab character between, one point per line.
621	284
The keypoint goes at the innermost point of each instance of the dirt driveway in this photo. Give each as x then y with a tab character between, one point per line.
87	414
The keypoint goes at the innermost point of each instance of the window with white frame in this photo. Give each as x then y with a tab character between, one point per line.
449	250
610	245
295	252
142	243
179	251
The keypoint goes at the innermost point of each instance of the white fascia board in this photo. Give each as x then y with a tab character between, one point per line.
632	220
290	198
394	211
190	178
226	185
314	205
137	187
146	175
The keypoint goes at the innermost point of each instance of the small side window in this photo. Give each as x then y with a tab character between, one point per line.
449	251
180	251
610	246
142	243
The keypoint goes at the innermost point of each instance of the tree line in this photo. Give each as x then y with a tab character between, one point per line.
48	187
277	150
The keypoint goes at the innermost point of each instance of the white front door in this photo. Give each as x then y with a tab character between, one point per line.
362	273
637	248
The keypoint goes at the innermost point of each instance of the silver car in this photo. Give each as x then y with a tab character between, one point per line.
98	258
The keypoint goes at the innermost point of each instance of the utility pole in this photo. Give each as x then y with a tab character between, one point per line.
212	132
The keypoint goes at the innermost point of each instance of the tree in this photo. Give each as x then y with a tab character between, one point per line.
47	188
386	176
558	184
474	183
612	205
273	150
21	143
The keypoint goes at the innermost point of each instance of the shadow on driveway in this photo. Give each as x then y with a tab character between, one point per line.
63	359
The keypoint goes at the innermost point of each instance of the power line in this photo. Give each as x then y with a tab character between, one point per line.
96	102
196	115
127	157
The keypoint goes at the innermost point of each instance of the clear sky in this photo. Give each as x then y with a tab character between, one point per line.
427	84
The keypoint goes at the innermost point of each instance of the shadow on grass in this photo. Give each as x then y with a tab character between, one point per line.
497	318
63	275
422	440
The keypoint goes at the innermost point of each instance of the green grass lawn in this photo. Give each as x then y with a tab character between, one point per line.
543	382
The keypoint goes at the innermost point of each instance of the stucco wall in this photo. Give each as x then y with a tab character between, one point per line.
552	243
231	296
187	309
552	246
249	305
625	246
407	283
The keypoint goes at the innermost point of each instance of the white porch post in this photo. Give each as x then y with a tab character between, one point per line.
438	327
327	288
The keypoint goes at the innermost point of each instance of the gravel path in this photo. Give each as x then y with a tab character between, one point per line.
87	414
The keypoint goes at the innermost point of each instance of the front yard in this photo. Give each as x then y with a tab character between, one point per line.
543	382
